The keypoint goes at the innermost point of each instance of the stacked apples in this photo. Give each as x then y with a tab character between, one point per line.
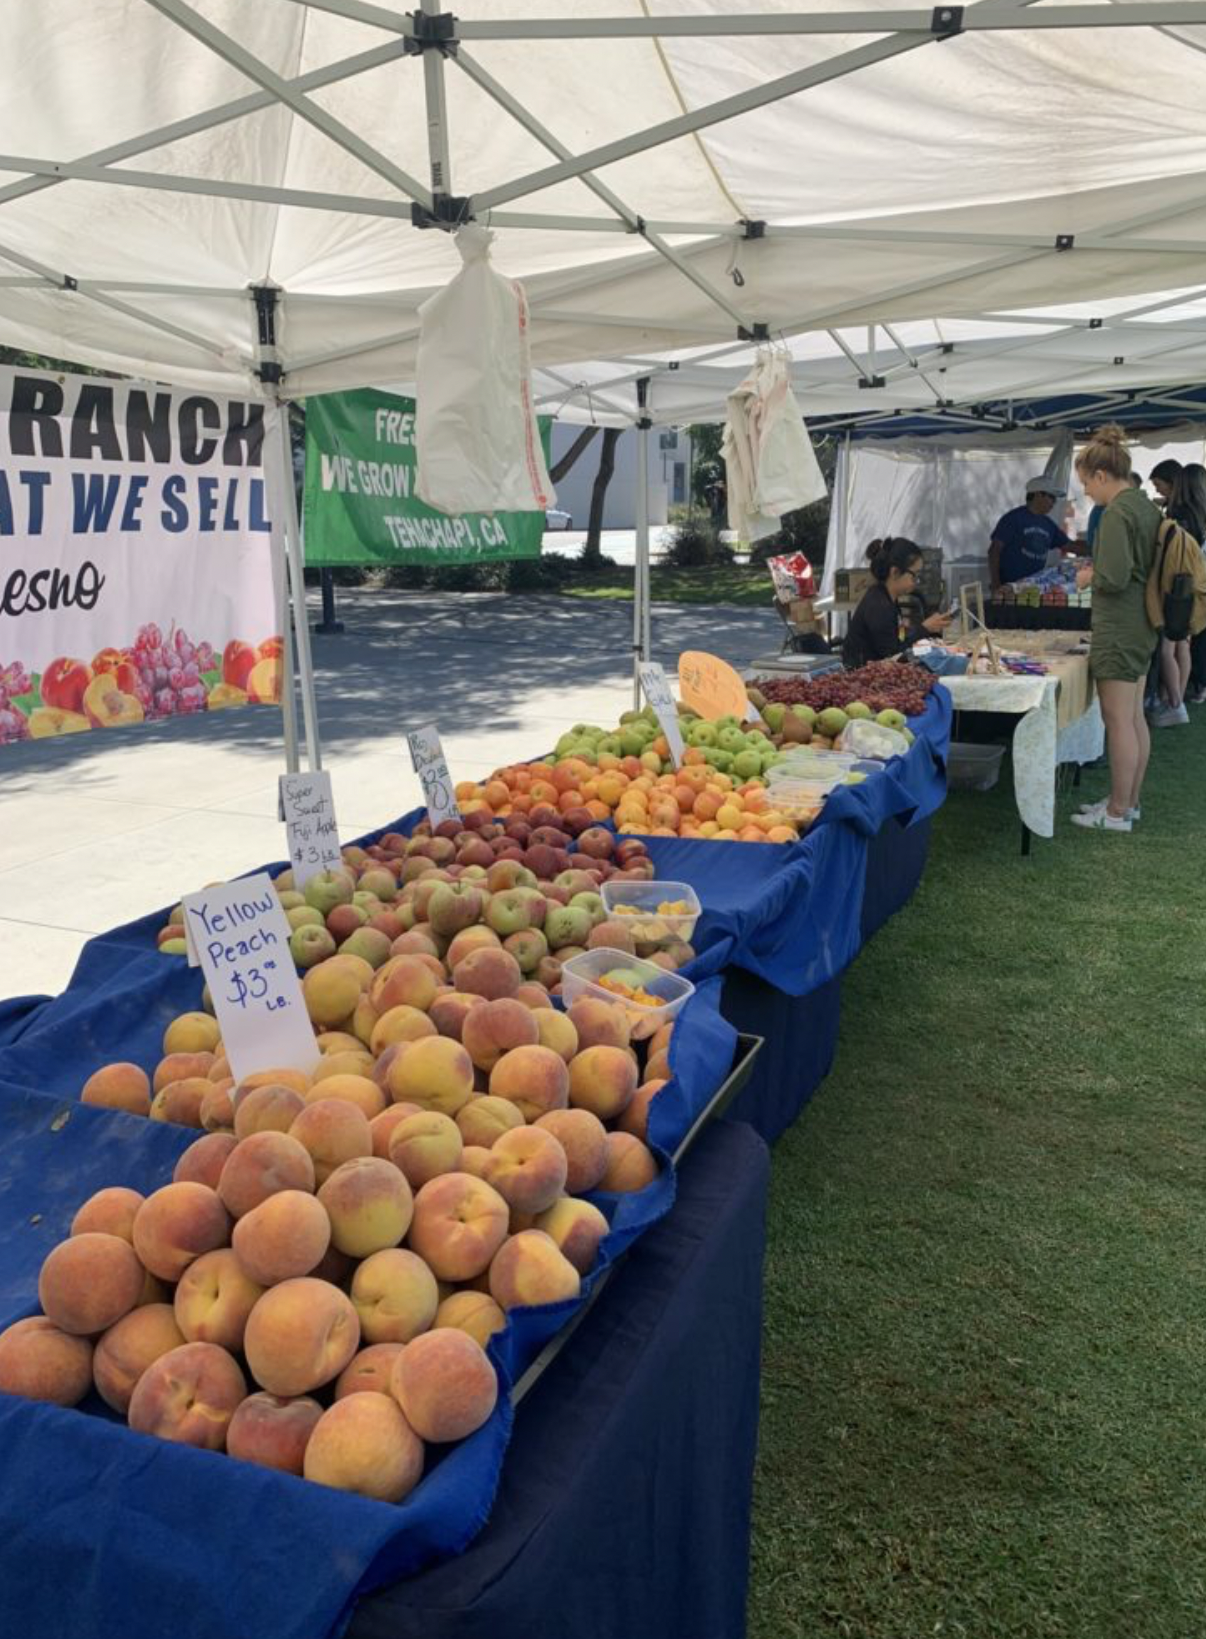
316	1287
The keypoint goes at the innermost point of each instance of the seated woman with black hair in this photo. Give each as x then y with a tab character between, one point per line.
878	629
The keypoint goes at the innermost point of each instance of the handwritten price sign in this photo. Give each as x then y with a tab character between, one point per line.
710	686
307	806
240	937
430	764
657	691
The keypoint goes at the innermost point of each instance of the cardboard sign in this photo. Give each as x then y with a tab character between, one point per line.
240	936
710	686
430	764
307	806
657	691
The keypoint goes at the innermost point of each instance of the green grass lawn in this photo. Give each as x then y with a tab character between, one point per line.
726	583
984	1376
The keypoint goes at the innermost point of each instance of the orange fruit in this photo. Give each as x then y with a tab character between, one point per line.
496	792
598	810
684	796
466	790
693	757
631	766
781	833
706	806
572	798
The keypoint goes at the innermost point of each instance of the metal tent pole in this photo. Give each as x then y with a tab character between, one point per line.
280	571
285	502
640	576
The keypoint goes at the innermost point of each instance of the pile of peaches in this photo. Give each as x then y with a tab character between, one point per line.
316	1288
695	800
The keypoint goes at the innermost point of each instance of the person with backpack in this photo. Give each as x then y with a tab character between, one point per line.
1187	507
1123	637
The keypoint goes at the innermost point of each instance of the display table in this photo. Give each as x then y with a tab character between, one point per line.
1059	718
624	1505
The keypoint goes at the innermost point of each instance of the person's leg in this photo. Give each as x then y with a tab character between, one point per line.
1143	745
1184	665
1122	741
1197	677
1170	674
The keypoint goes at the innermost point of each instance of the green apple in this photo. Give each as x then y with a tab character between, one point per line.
326	889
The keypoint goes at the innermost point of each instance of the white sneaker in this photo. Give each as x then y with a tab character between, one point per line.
1100	819
1170	717
1133	814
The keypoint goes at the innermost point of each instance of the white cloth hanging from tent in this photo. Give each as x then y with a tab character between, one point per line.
477	440
770	464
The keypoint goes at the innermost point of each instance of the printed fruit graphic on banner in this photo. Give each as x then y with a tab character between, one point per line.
15	682
237	660
107	706
63	684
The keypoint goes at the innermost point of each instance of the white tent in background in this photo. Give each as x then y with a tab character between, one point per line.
248	197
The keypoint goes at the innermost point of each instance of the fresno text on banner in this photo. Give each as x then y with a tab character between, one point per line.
361	505
136	577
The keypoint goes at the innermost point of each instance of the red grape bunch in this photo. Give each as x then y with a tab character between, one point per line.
169	671
881	685
14	681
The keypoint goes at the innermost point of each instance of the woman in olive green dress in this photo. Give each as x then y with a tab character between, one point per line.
1123	640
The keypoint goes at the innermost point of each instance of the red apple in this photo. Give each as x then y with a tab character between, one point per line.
64	682
238	658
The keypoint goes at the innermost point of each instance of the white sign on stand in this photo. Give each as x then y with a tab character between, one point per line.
240	936
307	806
430	764
657	691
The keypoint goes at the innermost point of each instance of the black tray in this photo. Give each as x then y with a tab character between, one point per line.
747	1051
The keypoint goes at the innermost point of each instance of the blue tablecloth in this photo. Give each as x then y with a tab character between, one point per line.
624	1504
159	1517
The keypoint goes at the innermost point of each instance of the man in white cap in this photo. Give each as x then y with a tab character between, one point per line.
1024	537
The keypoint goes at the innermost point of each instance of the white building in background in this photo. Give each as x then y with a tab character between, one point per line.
669	476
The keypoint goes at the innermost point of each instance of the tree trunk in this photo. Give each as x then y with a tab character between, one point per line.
558	472
592	548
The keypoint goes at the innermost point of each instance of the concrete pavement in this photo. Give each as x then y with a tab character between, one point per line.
98	828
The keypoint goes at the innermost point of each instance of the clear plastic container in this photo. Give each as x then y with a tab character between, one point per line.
971	767
646	897
580	976
870	739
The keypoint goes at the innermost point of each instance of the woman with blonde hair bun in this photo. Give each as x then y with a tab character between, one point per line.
1123	640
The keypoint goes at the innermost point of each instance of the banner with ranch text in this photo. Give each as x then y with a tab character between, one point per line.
136	567
360	502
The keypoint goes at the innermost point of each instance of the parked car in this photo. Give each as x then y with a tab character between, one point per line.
555	518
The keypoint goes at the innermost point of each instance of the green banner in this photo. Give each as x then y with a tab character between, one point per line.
360	504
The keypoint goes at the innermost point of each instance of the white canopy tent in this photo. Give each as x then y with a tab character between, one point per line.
248	198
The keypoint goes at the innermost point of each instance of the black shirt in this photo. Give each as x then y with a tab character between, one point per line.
876	631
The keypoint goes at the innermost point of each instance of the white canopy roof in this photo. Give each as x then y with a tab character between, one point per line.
659	172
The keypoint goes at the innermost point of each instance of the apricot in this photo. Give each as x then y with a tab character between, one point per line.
599	1023
459	1224
180	1101
404	981
488	971
496	1028
189	1396
528	1169
602	1080
214	1298
583	1137
369	1371
631	1165
284	1237
484	1119
119	1087
556	1031
445	1385
332	1131
192	1033
435	1073
382	1126
531	1269
577	1228
635	1119
369	1204
125	1351
401	1024
272	1431
181	1067
39	1361
363	1443
109	1212
271	1108
87	1283
474	1313
424	1146
259	1166
300	1335
395	1296
202	1161
534	1079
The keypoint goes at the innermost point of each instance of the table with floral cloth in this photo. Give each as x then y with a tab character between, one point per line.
1059	718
